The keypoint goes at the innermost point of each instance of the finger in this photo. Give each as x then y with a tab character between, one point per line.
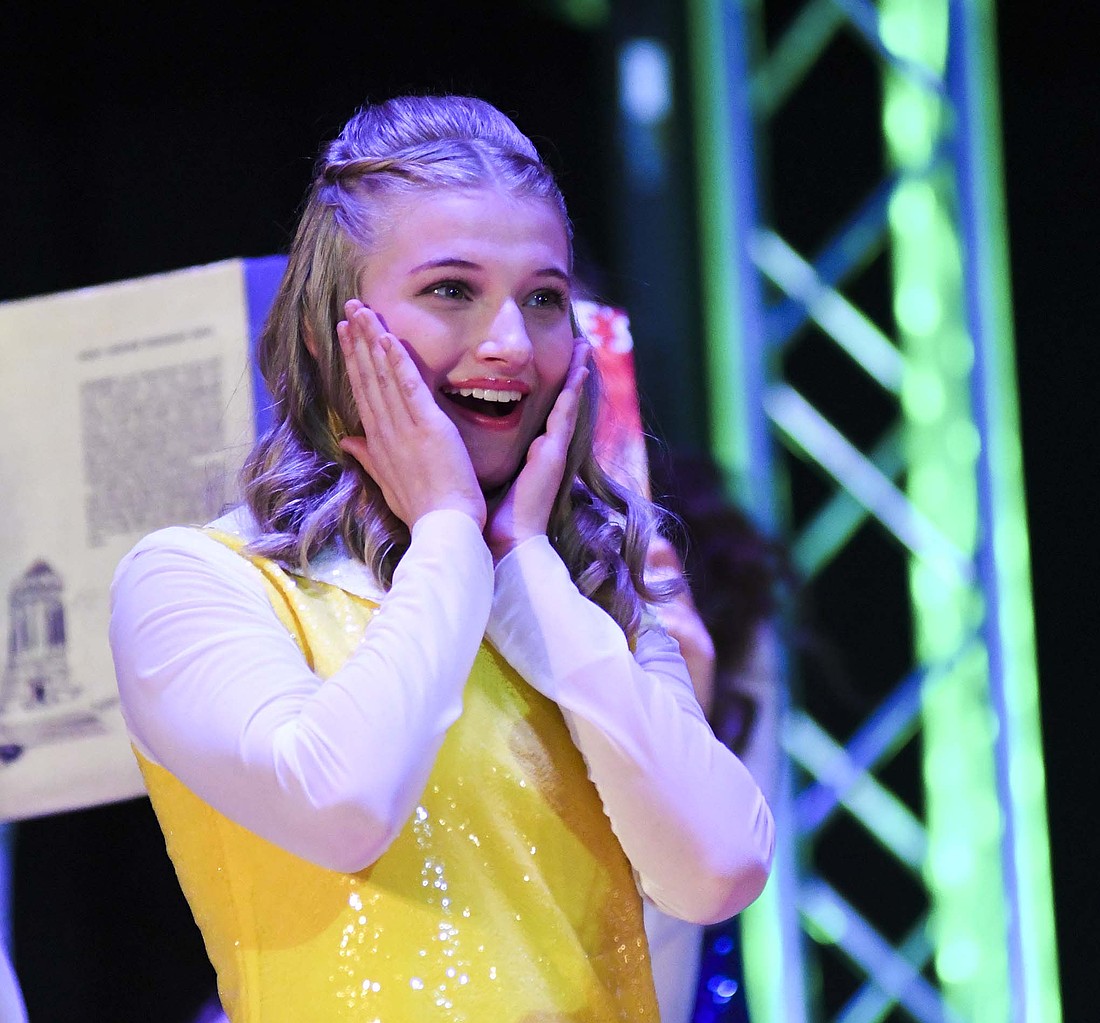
393	389
345	330
392	363
370	343
382	347
368	374
366	325
418	401
578	370
563	416
582	352
358	448
361	377
351	366
568	401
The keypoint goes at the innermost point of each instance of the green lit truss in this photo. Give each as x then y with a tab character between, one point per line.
944	482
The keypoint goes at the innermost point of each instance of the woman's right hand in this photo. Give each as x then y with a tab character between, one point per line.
409	447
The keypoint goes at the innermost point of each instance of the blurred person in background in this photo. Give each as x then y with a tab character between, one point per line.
726	625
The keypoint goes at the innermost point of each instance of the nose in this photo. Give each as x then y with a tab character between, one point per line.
506	340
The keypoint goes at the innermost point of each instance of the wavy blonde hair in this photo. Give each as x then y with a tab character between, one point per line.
303	490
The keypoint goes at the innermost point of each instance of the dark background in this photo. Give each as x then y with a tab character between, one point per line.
134	143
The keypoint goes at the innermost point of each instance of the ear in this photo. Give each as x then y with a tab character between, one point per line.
311	341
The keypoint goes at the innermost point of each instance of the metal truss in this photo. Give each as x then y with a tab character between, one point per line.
940	485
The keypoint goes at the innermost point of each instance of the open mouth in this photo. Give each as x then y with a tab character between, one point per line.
485	401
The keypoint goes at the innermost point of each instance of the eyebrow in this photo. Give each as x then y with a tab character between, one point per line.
446	261
453	262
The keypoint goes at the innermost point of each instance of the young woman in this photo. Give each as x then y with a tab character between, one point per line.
414	737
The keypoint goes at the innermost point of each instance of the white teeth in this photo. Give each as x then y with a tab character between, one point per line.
487	394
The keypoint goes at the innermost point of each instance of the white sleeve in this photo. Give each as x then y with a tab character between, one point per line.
690	818
215	690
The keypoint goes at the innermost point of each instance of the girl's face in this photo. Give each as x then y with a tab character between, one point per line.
475	285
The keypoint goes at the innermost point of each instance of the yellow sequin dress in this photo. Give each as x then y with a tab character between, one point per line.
506	897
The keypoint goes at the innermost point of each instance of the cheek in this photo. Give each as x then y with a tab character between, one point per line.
554	362
429	353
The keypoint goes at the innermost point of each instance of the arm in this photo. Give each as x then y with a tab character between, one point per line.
215	690
689	816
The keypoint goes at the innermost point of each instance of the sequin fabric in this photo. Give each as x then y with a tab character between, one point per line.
506	897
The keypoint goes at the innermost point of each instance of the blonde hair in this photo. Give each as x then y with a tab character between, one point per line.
303	490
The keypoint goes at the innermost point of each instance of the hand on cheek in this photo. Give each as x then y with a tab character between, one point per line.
409	447
525	509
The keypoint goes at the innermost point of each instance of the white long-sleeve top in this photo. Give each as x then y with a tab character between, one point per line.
215	690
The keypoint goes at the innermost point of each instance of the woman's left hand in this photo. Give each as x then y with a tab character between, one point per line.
524	510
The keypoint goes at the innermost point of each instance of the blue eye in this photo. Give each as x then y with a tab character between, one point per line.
450	289
546	298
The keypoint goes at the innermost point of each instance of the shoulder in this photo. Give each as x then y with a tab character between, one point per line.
183	556
194	541
180	586
177	542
